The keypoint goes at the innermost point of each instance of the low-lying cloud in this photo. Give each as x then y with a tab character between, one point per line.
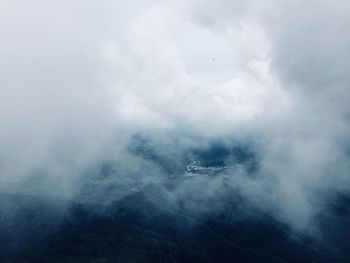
80	80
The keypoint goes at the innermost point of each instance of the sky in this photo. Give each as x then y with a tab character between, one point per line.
78	79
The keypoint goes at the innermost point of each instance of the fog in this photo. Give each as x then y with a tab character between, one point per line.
80	80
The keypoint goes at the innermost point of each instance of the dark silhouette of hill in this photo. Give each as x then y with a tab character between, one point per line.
139	229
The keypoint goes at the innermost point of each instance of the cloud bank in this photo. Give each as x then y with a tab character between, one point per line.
79	79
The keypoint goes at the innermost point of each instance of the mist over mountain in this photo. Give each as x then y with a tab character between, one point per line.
174	131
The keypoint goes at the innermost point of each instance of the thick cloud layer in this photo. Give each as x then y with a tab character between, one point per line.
79	79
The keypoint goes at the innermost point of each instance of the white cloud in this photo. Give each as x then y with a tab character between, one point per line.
77	78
